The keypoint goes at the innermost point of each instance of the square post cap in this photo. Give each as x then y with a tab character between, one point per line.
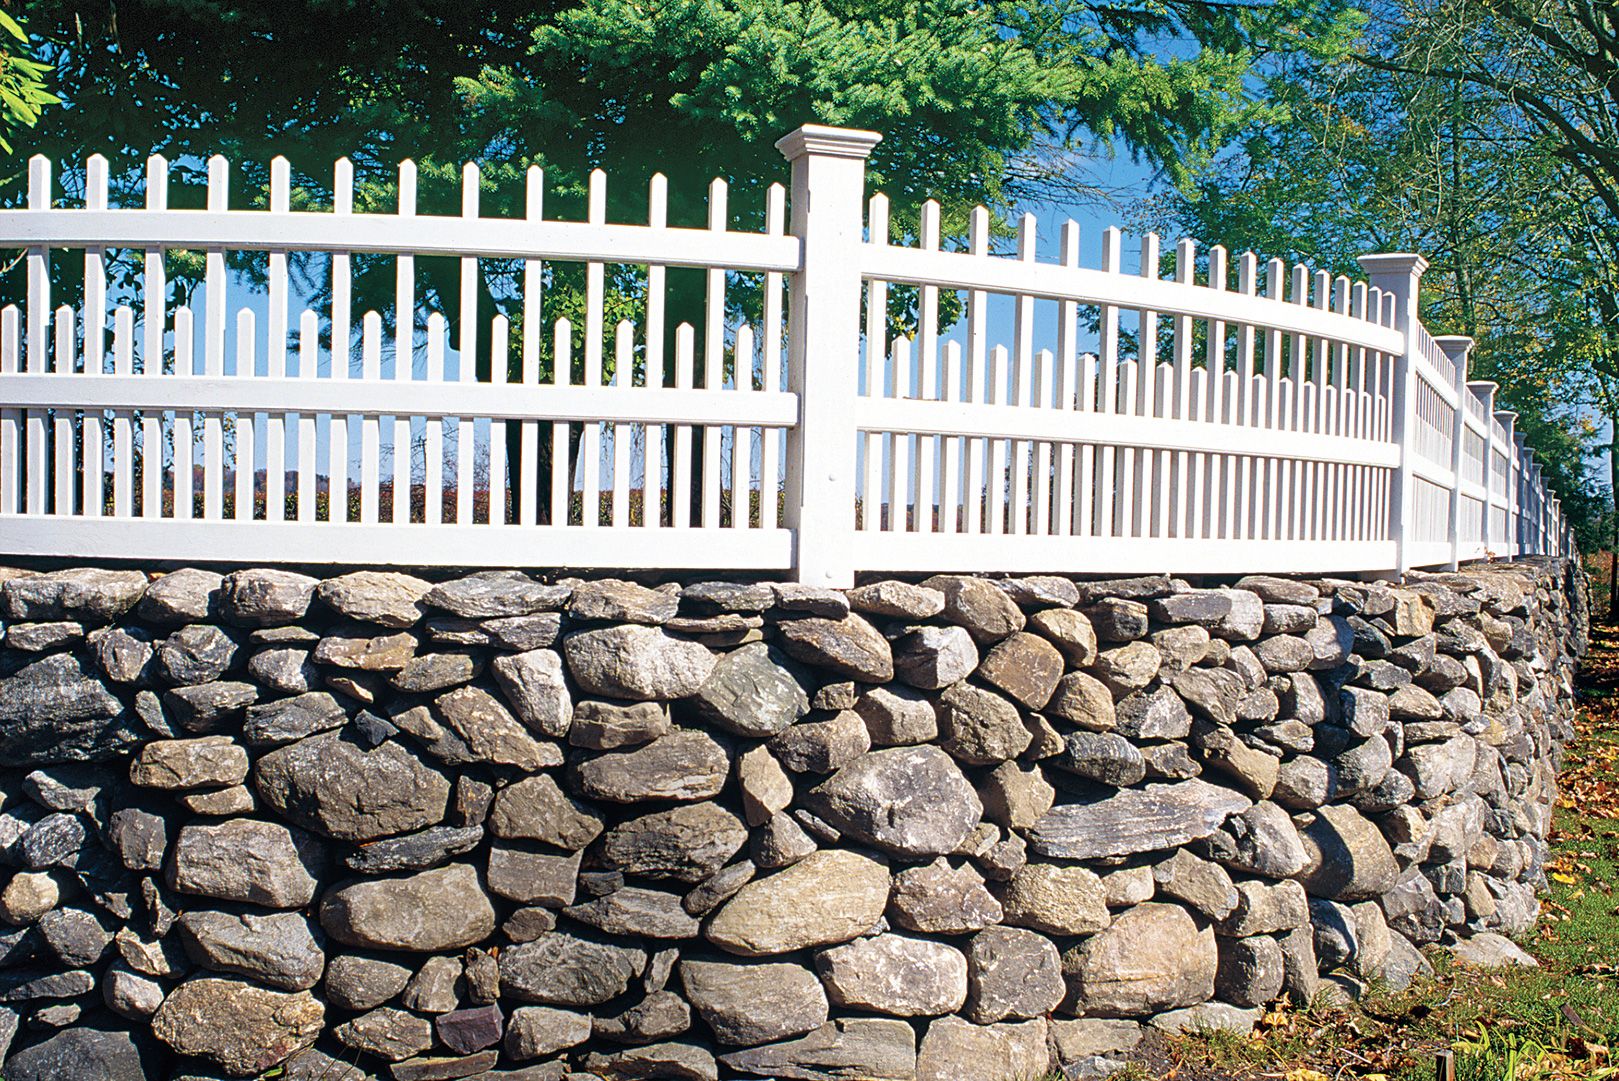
1456	346
1392	264
829	141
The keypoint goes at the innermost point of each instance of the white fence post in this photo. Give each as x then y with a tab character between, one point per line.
1456	348
1397	273
1486	395
823	347
1509	421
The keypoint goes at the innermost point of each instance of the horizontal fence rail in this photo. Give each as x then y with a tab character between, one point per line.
837	392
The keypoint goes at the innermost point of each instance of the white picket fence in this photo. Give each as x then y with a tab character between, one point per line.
1080	419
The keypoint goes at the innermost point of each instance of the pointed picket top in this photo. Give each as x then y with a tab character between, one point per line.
657	201
596	197
877	219
718	193
1248	273
1185	260
343	186
978	230
39	182
471	188
928	225
95	182
533	192
280	185
407	188
218	184
776	209
1151	243
1028	236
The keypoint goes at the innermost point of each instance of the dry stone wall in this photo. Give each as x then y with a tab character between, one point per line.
504	827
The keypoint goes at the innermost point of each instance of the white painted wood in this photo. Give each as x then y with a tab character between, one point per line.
404	344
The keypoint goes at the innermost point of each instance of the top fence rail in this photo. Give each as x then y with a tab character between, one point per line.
826	394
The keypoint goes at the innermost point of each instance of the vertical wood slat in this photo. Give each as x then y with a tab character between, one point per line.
500	333
275	446
467	350
653	485
978	457
680	455
404	346
308	357
528	495
93	355
39	332
590	442
154	318
1019	456
927	358
123	441
876	348
1064	382
245	457
11	443
713	356
185	470
771	368
62	427
623	439
433	444
337	468
561	466
370	423
213	347
741	437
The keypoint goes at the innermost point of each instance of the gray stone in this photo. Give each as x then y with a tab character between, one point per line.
1260	840
954	1048
1208	1017
1251	970
974	603
1303	783
826	898
746	1004
1347	858
536	809
1084	701
1158	713
661	1015
1118	619
261	863
1015	797
123	654
979	727
1070	631
1127	668
129	994
1012	974
1153	957
78	1052
1169	761
207	762
911	801
1489	950
441	909
1055	899
566	969
686	843
522	633
896	975
356	982
872	1049
637	662
415	851
611	600
84	594
429	672
752	693
897	716
140	838
266	597
683	765
55	710
333	786
850	647
1204	607
1266	907
1083	1037
188	595
383	597
674	1061
931	658
207	707
491	732
1204	886
606	726
389	1034
496	594
286	671
436	986
199	653
1245	620
287	719
636	912
243	1028
1158	816
532	878
537	1031
942	899
814	600
822	746
1025	666
276	948
534	685
1103	757
897	600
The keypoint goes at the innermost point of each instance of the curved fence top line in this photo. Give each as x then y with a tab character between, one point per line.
821	400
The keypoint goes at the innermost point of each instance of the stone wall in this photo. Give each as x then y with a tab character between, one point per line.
963	828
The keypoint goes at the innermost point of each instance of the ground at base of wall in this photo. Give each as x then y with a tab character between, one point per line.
1558	1021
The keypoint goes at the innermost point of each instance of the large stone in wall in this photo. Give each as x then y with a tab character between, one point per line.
277	948
631	661
80	1051
387	598
241	859
1346	856
867	1048
895	974
1157	816
828	897
953	1049
496	594
684	765
56	710
334	785
686	843
266	597
752	692
441	909
1012	974
567	969
749	1003
81	594
911	801
848	647
1153	957
242	1028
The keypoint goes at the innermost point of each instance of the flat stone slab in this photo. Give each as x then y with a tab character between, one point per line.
1148	819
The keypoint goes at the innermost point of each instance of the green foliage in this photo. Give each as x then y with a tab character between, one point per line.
23	89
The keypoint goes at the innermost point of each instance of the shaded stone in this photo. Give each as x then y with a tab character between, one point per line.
635	911
1158	713
496	594
275	948
441	909
1118	619
848	647
266	597
188	595
534	685
1204	886
140	838
243	1028
683	765
537	1031
1015	797
83	594
674	1061
566	969
55	710
261	863
196	654
766	788
979	727
814	600
54	840
491	732
415	851
637	662
77	1052
751	693
1251	970
338	788
872	1049
1102	757
1347	858
826	898
897	600
207	707
536	809
976	604
746	1004
389	1034
428	672
289	719
469	1030
1055	899
612	600
931	658
1153	957
942	899
911	801
1012	973
356	982
1260	840
686	843
895	974
605	726
436	986
1127	668
822	746
1266	907
1204	607
207	762
286	671
1159	816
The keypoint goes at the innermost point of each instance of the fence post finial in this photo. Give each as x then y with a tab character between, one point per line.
823	347
1397	274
